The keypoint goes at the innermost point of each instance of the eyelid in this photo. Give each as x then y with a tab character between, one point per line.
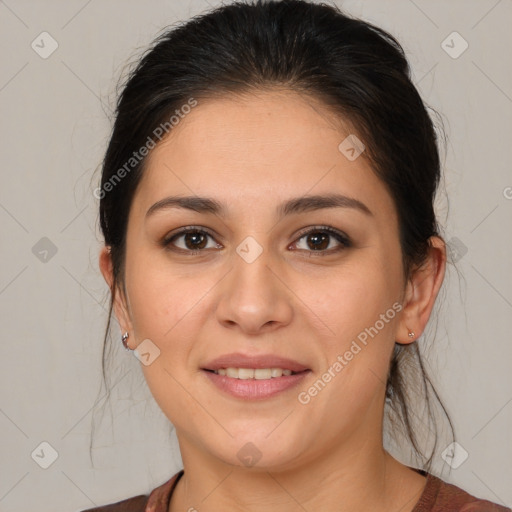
328	229
186	229
340	236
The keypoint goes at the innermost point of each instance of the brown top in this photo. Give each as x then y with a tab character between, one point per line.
438	496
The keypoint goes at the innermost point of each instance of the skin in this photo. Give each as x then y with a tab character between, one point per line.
251	153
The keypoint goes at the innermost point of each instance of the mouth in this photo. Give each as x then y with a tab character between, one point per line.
254	373
254	377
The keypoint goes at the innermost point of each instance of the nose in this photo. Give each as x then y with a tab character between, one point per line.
254	297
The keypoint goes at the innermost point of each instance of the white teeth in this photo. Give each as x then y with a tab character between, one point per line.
232	372
253	373
263	373
245	373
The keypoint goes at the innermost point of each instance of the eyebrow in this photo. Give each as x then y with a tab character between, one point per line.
291	206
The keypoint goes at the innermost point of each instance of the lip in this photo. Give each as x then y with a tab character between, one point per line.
254	389
237	360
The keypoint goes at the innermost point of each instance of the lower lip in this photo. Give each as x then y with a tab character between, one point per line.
255	389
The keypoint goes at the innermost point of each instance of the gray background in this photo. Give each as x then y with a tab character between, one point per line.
55	126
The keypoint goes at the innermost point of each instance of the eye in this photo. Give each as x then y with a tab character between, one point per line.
320	239
192	239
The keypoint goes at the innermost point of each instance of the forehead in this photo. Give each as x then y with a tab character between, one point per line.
263	147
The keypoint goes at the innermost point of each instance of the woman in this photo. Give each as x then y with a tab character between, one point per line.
273	256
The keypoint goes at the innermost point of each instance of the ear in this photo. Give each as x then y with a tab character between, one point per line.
120	307
421	292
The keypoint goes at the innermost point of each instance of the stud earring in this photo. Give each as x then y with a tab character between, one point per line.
124	339
411	335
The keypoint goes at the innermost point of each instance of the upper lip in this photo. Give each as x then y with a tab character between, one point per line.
236	360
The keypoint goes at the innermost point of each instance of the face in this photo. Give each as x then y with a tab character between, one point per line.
320	284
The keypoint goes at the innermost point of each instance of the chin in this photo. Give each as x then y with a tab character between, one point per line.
259	453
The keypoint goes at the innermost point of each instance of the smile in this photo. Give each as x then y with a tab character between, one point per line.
254	373
254	384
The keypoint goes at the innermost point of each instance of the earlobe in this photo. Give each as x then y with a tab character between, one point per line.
119	302
421	293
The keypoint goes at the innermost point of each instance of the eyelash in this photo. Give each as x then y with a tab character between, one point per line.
338	235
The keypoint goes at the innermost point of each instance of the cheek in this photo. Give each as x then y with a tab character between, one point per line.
356	358
159	297
359	307
353	298
166	309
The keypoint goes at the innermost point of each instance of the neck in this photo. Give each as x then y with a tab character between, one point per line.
353	475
